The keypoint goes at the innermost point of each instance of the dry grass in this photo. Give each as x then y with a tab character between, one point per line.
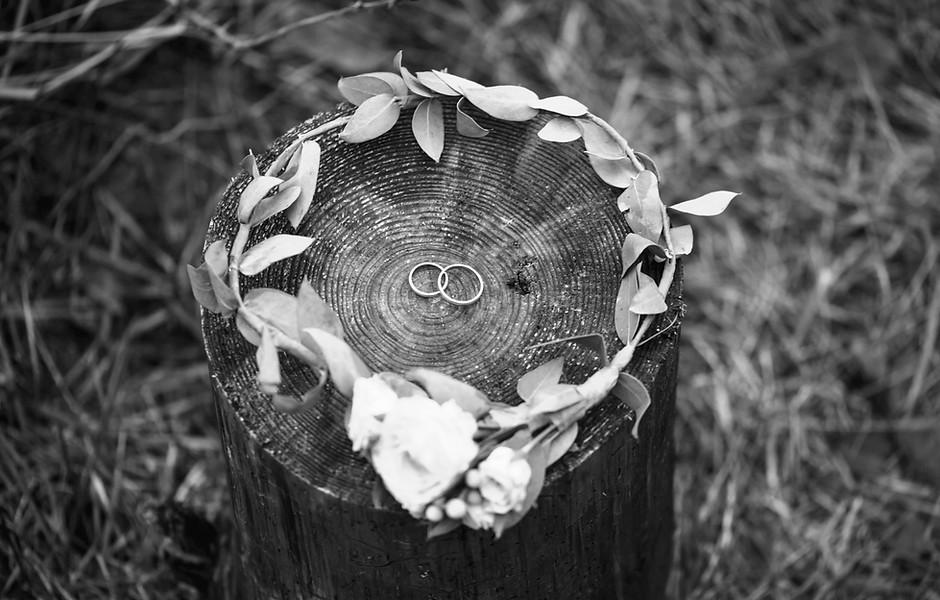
809	397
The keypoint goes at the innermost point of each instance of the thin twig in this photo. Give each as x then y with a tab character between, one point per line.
675	320
17	26
130	37
68	13
240	43
926	353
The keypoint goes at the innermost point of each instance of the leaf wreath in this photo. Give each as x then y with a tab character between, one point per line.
543	427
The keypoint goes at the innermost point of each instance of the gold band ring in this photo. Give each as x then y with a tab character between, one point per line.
441	285
442	282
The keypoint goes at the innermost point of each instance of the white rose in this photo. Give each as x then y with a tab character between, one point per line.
422	448
504	476
372	399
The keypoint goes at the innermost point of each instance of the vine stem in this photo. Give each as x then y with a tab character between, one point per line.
621	141
238	248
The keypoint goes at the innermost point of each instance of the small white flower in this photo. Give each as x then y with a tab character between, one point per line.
504	476
422	448
372	399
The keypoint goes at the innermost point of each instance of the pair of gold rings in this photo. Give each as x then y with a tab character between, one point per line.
442	282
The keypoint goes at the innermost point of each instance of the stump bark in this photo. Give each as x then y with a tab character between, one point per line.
545	233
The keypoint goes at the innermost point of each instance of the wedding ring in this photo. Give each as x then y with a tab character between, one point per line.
441	284
443	279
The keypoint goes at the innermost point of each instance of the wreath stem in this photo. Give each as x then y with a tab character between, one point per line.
618	138
238	247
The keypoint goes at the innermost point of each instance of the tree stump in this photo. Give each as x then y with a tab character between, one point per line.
545	233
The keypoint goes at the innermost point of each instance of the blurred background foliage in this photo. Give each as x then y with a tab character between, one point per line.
809	397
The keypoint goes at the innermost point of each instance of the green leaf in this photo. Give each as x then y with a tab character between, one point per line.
276	309
627	322
248	332
253	193
467	125
392	79
359	88
313	311
649	164
344	364
410	80
506	102
430	80
634	394
681	239
538	462
374	117
250	165
633	247
560	129
458	84
442	527
648	300
563	105
267	252
272	205
269	369
591	341
427	124
616	173
201	284
286	156
293	406
599	143
642	206
553	398
561	443
709	205
379	493
291	169
308	167
401	386
606	156
518	439
217	264
545	374
443	387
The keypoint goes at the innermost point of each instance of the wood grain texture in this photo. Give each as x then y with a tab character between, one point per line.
545	234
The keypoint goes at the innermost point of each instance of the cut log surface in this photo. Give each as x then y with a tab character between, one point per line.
545	234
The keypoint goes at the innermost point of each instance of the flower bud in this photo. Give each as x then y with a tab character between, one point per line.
433	513
472	478
455	508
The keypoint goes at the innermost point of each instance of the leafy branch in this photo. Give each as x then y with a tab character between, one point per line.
268	318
